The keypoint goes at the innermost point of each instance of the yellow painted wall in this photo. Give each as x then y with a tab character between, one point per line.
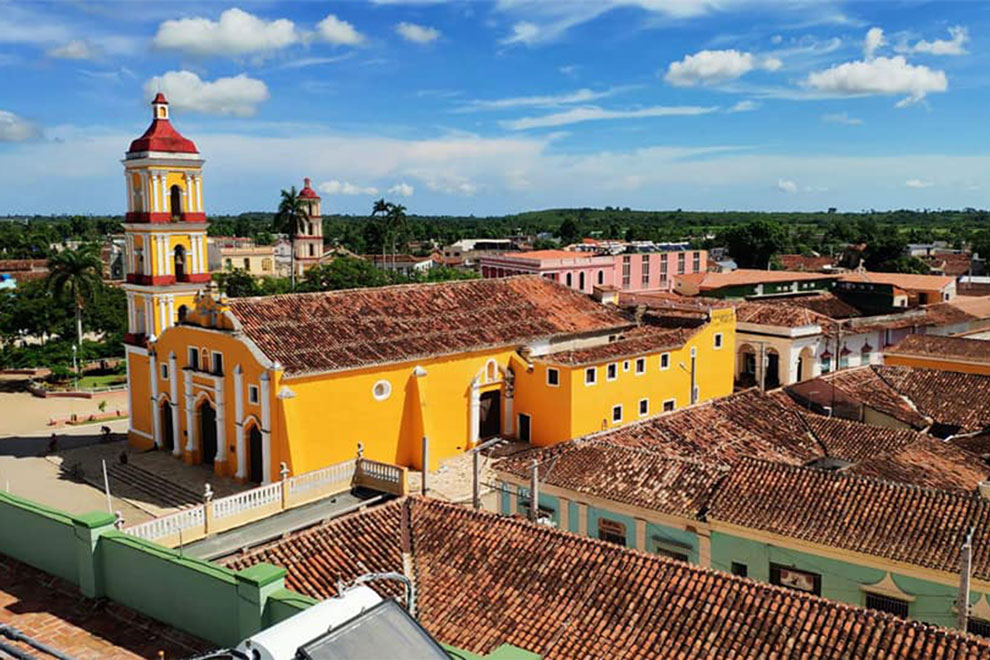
140	399
548	407
332	413
590	406
945	364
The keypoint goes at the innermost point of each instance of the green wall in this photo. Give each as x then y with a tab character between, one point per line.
39	536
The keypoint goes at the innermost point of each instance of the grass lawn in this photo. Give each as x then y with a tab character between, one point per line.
87	382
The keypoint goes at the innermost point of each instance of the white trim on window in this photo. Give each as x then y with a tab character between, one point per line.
718	341
593	373
644	407
640	366
617	409
625	365
672	403
164	367
556	374
664	361
612	371
253	394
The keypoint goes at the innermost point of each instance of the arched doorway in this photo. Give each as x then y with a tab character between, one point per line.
256	467
806	364
168	431
746	366
207	431
175	202
771	373
179	260
183	310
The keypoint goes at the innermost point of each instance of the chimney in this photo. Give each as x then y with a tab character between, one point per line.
984	487
640	312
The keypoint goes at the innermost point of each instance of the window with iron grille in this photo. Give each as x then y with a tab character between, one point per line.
646	269
612	531
894	606
626	271
740	569
681	258
785	576
543	513
697	262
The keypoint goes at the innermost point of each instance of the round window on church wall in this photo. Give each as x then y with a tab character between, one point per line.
381	390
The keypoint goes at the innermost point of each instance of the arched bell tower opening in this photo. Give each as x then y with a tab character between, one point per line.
175	202
179	263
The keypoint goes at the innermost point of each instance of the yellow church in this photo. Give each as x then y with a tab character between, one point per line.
307	379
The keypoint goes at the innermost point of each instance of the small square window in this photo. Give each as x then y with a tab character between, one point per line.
894	606
640	365
617	413
625	365
553	377
590	376
253	393
644	407
611	531
718	340
612	371
669	405
164	372
740	569
665	361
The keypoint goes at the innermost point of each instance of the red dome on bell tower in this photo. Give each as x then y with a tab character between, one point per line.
161	136
307	192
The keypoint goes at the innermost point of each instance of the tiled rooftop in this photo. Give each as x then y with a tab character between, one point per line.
54	613
856	441
900	522
335	330
746	276
781	315
938	347
483	580
804	263
636	476
637	341
824	303
906	281
747	423
928	462
864	386
952	399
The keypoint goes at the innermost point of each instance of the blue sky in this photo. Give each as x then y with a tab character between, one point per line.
505	106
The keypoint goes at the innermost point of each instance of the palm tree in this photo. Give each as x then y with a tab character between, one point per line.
380	212
292	209
77	274
397	222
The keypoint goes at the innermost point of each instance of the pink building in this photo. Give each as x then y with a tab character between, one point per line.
634	272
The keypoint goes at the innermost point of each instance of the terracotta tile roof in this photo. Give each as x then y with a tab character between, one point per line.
952	399
824	303
638	341
928	462
952	264
484	580
938	347
906	281
542	255
747	423
859	386
855	441
334	330
780	315
978	444
744	276
803	263
53	612
921	526
636	476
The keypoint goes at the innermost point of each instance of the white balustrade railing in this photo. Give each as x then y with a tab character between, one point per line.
247	500
381	471
323	477
174	523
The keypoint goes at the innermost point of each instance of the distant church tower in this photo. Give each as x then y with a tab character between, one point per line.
309	236
165	229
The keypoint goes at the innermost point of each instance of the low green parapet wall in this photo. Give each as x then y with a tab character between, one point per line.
39	536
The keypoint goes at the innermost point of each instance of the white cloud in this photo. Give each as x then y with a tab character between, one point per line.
841	118
594	113
744	106
236	33
873	41
16	129
881	75
338	32
524	32
708	67
578	96
77	49
918	183
787	186
238	95
334	187
418	34
402	189
954	46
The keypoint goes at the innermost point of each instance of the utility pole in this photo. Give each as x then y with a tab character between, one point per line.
426	462
534	491
476	483
962	600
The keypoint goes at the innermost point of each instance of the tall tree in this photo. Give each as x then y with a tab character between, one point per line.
292	210
396	223
77	275
754	243
379	215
